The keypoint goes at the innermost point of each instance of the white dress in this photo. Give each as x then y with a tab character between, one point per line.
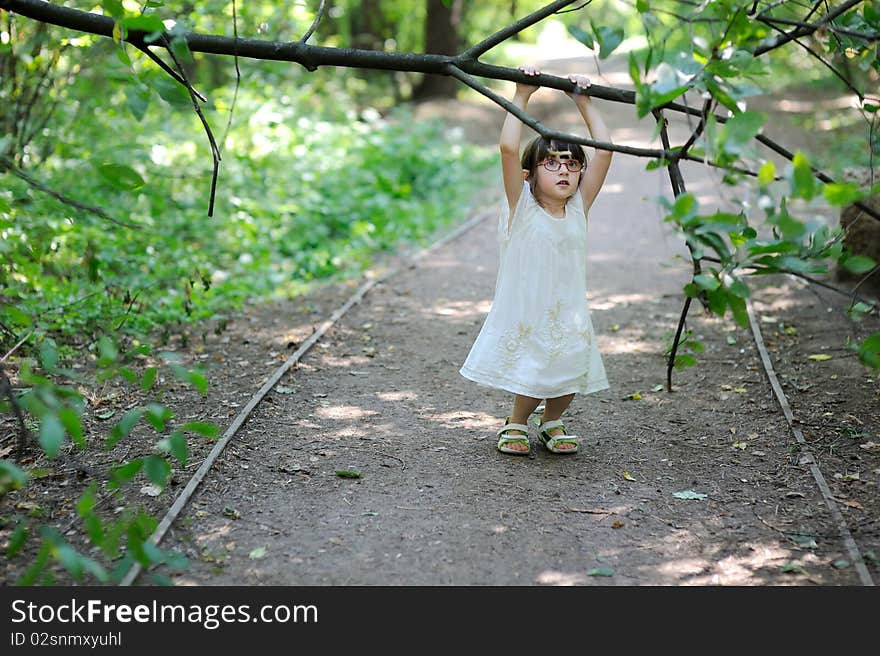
538	339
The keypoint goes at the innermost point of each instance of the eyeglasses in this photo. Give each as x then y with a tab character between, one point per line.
554	165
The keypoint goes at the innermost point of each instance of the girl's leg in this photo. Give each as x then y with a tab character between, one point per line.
553	409
523	406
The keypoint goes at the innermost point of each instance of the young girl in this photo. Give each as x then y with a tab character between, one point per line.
538	341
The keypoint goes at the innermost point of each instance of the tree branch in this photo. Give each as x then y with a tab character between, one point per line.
311	57
484	46
808	29
7	164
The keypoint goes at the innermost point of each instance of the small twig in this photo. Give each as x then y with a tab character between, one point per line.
144	48
237	75
7	164
6	390
318	16
388	455
215	150
12	350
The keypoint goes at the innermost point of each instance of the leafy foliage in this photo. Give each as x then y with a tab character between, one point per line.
312	186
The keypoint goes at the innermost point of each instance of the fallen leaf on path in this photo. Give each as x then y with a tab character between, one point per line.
281	389
635	396
805	541
602	571
151	490
792	495
819	357
792	568
617	524
232	513
689	494
345	473
868	446
257	553
628	476
740	390
740	445
850	502
658	388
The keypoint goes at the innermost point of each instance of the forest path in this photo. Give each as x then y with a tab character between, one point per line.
435	502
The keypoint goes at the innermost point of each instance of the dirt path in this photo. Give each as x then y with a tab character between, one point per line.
436	504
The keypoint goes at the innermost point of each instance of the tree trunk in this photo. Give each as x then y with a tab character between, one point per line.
442	26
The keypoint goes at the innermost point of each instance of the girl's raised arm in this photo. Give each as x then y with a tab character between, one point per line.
511	133
594	176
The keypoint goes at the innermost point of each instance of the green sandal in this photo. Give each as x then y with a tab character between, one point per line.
504	440
552	442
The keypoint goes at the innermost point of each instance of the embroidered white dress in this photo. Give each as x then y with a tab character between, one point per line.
538	338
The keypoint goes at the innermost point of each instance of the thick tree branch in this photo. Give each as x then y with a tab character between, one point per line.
311	57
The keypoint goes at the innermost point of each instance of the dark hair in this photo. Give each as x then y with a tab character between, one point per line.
539	148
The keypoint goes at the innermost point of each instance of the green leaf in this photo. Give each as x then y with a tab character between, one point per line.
87	500
107	351
73	425
17	317
202	428
843	193
345	473
120	176
128	375
171	91
124	426
738	308
158	415
869	351
684	360
11	477
17	540
705	281
113	8
149	378
581	35
601	571
740	130
125	472
859	264
143	23
49	355
608	38
766	174
178	447
803	182
137	99
51	435
157	470
180	48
